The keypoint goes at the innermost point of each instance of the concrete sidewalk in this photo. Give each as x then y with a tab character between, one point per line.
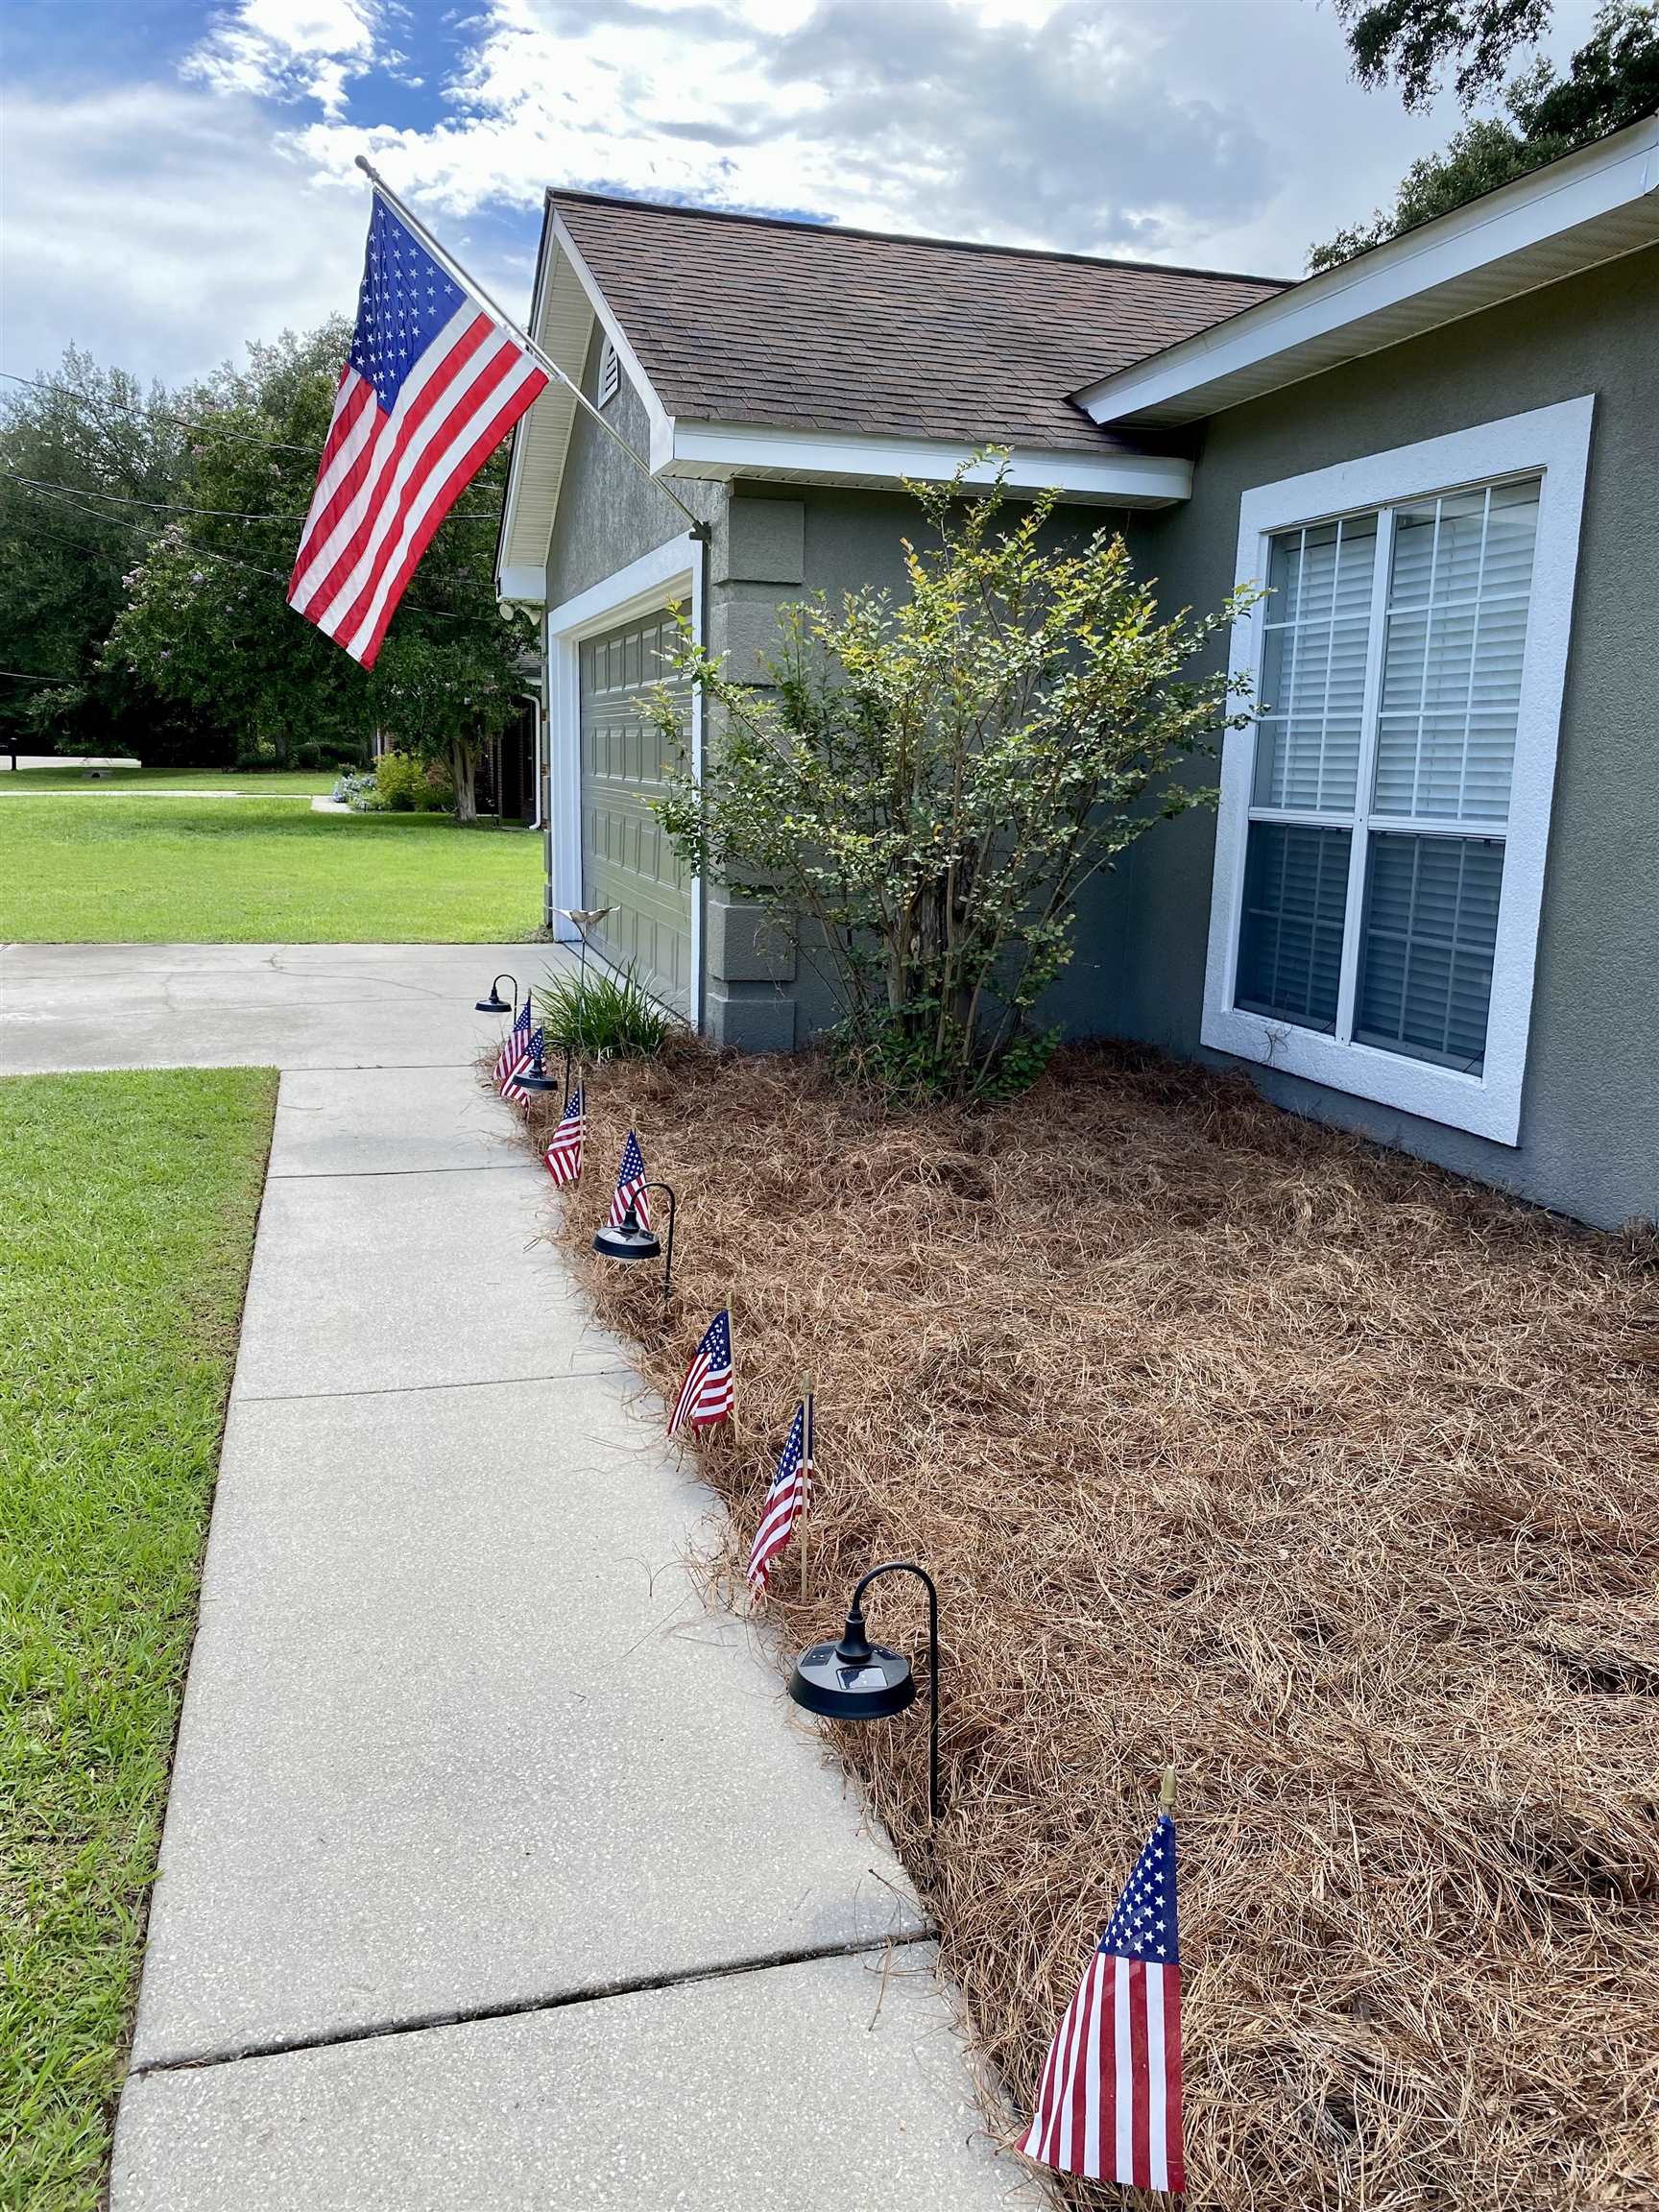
497	1872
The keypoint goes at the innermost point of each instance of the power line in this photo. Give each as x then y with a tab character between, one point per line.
183	422
203	552
22	676
156	506
180	507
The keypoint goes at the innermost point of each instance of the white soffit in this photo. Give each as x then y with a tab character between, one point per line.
562	322
1587	207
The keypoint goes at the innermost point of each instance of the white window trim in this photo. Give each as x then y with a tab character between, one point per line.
672	571
1554	441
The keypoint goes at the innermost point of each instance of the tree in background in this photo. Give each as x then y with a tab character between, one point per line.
207	622
80	452
1612	80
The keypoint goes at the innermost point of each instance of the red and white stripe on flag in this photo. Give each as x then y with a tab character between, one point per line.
433	385
1109	2106
563	1158
786	1501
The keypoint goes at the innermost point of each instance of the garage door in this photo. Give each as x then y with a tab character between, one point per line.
628	863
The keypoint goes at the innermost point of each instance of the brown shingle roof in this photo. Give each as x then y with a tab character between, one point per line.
746	319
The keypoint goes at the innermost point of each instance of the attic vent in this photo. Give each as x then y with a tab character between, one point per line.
610	374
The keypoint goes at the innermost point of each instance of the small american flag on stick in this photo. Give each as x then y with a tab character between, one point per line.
432	385
531	1056
709	1389
1109	2107
786	1501
563	1158
514	1052
631	1187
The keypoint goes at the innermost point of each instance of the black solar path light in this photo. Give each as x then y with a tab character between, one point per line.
630	1239
495	1003
535	1080
857	1680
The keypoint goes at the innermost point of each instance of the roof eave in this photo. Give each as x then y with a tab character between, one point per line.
730	452
1586	207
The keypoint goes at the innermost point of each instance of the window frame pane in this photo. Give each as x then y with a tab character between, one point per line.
1551	444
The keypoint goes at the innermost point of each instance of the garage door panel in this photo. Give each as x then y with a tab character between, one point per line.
628	861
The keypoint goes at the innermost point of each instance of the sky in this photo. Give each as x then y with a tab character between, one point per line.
177	179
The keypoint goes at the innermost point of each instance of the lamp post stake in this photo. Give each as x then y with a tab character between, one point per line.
909	1567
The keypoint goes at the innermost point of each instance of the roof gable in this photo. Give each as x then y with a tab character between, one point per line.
799	325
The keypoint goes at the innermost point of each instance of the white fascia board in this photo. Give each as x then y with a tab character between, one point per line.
1191	379
519	580
657	415
735	449
515	450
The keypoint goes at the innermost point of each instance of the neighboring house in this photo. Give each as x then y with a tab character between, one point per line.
1428	906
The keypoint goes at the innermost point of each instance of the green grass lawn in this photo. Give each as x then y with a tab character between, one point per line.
257	784
127	1213
118	870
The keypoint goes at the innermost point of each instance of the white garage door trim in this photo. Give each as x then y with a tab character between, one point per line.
673	571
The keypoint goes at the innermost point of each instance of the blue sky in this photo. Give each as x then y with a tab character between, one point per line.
177	177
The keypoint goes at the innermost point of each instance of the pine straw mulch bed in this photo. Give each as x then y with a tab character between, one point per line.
1224	1430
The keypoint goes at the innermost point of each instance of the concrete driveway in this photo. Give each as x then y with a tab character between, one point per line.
66	1006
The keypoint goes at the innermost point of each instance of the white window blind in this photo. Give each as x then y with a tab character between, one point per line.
1393	645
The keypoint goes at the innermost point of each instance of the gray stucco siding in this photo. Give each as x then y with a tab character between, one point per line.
609	512
1589	1138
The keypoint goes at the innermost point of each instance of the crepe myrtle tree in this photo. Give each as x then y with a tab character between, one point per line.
923	786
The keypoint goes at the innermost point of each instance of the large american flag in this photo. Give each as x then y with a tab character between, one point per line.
531	1056
563	1158
432	385
631	1187
1110	2105
708	1392
514	1052
785	1500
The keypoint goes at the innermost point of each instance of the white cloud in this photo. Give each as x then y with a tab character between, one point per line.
162	227
289	49
164	224
1220	132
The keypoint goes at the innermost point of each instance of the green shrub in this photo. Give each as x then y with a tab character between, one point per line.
409	785
400	780
609	1016
929	783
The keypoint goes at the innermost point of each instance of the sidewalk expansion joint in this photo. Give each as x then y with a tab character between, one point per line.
519	2009
414	1389
361	1175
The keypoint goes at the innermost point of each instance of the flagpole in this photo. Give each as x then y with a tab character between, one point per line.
469	284
731	1347
808	1419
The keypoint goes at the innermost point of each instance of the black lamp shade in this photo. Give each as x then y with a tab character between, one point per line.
629	1240
868	1684
535	1079
495	1003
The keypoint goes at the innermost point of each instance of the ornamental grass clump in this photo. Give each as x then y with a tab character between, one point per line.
923	786
1230	1438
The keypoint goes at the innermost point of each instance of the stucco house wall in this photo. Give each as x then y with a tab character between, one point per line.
1589	1139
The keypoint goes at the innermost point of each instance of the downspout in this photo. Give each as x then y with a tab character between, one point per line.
703	538
543	820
